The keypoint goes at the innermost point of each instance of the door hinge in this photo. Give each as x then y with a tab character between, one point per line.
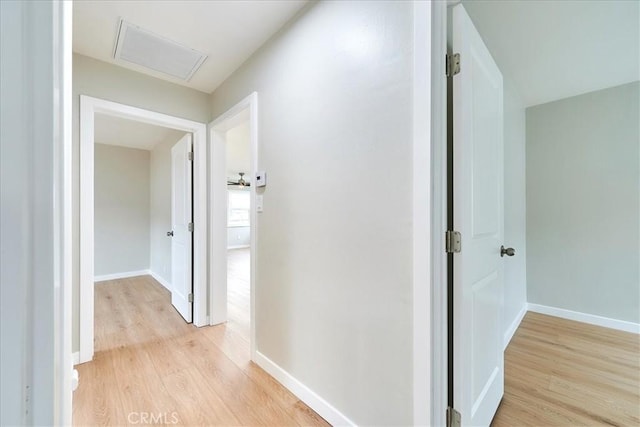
453	417
453	242
452	64
190	297
191	227
191	156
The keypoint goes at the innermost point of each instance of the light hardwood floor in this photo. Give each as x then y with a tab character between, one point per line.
238	308
564	373
150	363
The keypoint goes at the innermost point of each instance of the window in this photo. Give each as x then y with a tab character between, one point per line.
238	208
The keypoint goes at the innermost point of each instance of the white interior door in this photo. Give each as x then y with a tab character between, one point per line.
181	218
478	360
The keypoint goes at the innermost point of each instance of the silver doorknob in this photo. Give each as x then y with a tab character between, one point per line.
507	251
170	233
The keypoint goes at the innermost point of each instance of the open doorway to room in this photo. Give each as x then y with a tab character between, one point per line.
142	196
142	199
543	158
235	201
238	144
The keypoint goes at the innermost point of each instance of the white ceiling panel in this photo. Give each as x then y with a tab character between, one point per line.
228	32
138	46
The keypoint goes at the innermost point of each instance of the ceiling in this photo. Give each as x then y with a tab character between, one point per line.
227	31
549	49
556	49
111	130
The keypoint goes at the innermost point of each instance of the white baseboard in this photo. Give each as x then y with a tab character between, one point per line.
514	326
591	319
239	247
302	392
160	280
76	358
124	275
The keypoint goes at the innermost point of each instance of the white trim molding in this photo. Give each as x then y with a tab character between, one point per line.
592	319
302	392
218	220
89	106
123	275
422	260
166	284
511	330
64	337
438	213
35	226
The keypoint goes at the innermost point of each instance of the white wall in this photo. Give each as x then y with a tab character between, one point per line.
334	272
238	151
106	81
515	211
583	194
121	212
160	221
238	237
238	141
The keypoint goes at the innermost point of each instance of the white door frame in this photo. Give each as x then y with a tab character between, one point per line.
439	274
89	106
218	196
429	214
36	229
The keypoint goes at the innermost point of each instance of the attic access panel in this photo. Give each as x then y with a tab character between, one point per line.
144	48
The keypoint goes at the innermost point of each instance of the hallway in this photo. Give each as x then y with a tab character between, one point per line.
150	363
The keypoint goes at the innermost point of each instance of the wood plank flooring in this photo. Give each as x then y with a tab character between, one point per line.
564	373
150	367
150	363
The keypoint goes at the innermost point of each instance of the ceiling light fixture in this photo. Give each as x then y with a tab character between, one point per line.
241	182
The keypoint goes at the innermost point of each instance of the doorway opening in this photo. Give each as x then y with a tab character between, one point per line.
238	144
103	236
143	248
234	219
541	145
